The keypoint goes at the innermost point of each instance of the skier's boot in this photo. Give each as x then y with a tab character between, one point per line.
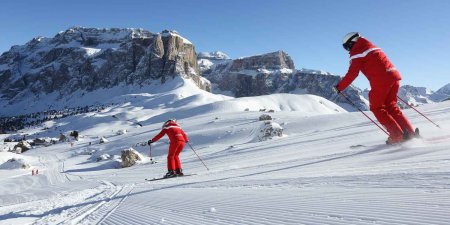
408	136
394	140
417	133
170	173
179	172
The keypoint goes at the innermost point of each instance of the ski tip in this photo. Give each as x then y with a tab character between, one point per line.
163	178
357	146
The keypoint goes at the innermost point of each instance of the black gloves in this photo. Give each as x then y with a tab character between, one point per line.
149	142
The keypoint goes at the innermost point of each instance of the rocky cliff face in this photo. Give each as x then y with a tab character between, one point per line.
322	84
422	95
251	76
275	73
89	59
416	95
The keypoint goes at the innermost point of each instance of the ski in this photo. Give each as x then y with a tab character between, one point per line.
437	139
407	138
358	146
164	178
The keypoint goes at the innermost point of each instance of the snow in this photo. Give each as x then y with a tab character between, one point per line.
92	52
213	55
329	167
13	163
254	73
174	33
321	72
286	70
205	63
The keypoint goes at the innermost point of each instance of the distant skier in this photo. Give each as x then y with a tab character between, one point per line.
177	139
384	82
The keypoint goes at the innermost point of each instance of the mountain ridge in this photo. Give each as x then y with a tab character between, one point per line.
89	59
79	61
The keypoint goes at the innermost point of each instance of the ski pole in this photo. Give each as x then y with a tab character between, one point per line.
151	159
363	113
417	111
198	155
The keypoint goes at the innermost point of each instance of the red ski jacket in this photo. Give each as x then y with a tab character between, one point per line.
372	62
174	131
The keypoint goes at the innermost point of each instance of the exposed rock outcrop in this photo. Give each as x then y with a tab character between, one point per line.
130	157
270	130
265	117
88	59
252	76
22	147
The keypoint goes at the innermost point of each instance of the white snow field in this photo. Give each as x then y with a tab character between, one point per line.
329	167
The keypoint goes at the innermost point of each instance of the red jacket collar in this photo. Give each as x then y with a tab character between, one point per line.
360	46
171	124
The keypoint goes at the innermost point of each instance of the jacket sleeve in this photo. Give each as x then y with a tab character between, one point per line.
184	136
353	71
159	136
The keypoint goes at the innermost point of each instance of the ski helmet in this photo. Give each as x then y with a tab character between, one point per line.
349	40
169	121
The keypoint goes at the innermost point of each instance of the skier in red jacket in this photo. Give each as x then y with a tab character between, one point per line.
177	139
384	82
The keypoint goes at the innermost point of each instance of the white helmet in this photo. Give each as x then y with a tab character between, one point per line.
169	121
349	40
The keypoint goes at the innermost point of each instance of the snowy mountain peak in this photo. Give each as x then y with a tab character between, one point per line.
93	36
174	33
417	90
271	61
416	95
217	55
320	72
422	95
444	90
86	59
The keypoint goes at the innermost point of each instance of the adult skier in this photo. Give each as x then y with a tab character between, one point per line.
177	139
384	82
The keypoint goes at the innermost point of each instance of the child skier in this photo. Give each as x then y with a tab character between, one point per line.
384	82
177	139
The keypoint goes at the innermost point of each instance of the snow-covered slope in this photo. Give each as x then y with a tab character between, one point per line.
329	166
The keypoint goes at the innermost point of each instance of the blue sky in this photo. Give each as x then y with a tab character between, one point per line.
415	34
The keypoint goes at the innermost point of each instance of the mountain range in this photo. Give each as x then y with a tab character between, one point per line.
275	73
81	60
68	69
